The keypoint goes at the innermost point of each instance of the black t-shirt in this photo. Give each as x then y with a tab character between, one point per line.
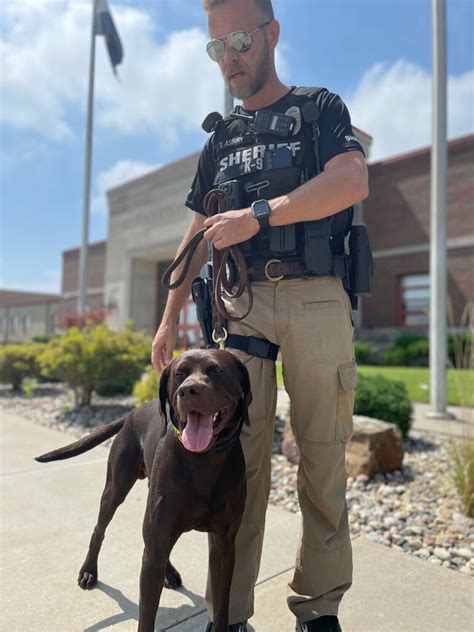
336	137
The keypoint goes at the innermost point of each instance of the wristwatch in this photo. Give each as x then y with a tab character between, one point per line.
261	211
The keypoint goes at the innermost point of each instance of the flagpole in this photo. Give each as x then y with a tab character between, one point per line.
438	229
82	293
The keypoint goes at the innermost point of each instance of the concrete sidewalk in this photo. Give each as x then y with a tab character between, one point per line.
49	511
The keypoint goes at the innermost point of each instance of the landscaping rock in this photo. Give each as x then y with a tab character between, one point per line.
374	447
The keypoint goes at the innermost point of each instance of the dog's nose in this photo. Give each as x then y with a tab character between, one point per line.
185	390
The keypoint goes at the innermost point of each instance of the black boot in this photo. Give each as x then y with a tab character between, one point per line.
235	627
321	624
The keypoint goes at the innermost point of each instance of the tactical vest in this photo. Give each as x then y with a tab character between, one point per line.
253	166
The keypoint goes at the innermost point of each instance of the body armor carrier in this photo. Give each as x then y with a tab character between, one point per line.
267	157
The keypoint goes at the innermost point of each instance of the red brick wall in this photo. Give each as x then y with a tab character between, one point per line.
95	268
397	214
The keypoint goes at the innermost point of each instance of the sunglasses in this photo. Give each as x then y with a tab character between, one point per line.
240	41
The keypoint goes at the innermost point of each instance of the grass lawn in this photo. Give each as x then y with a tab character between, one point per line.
460	383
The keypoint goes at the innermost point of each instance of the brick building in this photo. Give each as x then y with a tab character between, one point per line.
95	282
397	213
24	315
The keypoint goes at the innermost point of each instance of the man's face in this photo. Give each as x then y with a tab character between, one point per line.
245	73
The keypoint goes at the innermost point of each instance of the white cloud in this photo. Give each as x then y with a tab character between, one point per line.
393	104
44	280
167	83
118	174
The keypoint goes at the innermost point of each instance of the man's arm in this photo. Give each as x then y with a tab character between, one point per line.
164	341
343	182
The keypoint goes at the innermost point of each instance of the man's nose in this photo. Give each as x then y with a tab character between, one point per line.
230	55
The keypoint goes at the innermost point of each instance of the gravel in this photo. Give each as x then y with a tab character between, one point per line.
415	510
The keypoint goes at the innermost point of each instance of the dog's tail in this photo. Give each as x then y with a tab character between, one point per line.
83	445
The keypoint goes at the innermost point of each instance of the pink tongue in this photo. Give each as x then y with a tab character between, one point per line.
198	432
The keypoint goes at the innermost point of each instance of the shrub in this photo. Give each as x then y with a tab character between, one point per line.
409	350
460	349
18	362
96	358
146	390
462	459
384	399
363	351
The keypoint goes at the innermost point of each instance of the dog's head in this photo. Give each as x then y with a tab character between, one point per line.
209	394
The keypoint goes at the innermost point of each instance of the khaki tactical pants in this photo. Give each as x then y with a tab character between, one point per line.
311	321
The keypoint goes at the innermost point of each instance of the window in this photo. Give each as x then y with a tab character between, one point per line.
189	330
414	301
26	323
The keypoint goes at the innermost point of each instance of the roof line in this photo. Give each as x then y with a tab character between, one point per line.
153	171
420	151
92	244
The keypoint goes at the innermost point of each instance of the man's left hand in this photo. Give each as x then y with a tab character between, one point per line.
231	227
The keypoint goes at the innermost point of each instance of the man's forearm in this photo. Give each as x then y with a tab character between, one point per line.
178	297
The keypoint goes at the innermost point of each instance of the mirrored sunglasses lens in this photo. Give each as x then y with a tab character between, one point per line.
240	41
215	50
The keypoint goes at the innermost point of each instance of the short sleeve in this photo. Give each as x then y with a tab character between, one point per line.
203	180
336	134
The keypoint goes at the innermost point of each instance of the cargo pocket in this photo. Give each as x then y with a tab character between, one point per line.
345	399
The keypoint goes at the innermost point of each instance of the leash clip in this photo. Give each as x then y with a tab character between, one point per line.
220	339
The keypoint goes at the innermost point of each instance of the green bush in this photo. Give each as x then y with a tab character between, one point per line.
409	350
460	348
363	351
96	359
18	362
146	390
384	399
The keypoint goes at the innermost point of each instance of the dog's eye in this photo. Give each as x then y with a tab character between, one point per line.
215	369
180	374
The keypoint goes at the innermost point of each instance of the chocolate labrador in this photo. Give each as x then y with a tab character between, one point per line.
188	446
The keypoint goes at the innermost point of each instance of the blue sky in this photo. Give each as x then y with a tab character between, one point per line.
375	53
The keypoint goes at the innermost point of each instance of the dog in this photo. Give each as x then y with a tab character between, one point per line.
187	445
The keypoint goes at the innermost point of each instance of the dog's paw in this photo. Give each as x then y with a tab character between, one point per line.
172	577
87	579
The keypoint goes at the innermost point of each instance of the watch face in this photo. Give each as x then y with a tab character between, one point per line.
261	208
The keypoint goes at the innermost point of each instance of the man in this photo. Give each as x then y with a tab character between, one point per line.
304	311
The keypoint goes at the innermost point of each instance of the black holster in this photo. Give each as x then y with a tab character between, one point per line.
201	289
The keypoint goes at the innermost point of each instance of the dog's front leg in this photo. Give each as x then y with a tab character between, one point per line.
221	566
158	545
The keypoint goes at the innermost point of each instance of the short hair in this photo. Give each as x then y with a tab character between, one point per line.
265	7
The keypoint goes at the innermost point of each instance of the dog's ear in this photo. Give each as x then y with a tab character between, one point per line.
163	391
247	393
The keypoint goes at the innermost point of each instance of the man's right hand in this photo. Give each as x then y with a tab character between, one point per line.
163	346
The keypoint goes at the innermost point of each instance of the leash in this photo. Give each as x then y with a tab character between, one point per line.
216	201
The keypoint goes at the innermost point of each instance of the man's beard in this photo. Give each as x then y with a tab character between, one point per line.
262	73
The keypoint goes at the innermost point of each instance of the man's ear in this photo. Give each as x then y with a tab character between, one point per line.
274	32
164	378
246	392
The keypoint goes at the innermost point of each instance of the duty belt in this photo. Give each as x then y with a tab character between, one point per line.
276	269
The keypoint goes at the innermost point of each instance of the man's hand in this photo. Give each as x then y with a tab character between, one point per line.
163	345
231	227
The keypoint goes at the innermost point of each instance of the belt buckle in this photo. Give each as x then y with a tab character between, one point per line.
268	263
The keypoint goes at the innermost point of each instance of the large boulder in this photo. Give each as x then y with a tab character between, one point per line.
374	447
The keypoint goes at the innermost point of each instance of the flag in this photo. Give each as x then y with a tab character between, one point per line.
104	25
